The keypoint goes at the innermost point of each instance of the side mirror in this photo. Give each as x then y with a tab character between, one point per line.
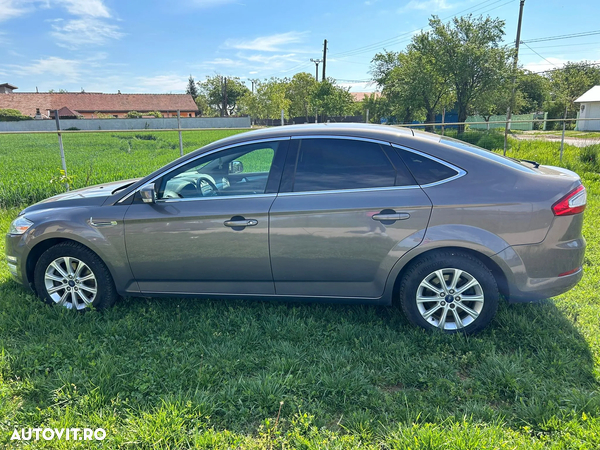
236	167
148	193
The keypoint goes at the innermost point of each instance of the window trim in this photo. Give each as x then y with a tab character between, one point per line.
460	172
384	144
132	194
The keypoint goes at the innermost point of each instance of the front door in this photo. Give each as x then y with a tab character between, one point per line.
208	230
352	210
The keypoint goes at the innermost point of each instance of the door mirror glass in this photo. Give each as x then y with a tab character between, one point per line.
236	167
148	193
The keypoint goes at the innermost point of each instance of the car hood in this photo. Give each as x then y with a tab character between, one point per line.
88	196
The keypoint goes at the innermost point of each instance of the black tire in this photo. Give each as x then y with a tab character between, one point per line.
453	264
105	292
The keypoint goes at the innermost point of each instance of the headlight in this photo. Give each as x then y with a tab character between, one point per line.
20	225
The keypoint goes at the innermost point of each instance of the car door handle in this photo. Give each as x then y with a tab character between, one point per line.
396	216
241	223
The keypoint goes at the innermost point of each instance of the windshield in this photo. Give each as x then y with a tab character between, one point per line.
511	162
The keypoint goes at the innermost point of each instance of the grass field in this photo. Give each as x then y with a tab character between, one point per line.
174	374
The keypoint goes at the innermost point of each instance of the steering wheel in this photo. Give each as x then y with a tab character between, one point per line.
207	187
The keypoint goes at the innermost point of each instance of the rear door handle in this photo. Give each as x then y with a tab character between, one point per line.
396	216
241	223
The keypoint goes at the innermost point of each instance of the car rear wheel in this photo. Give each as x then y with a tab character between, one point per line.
450	291
72	276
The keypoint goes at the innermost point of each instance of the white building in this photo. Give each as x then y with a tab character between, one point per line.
589	108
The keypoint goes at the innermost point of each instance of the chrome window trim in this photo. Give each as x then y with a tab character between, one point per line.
341	191
460	172
331	136
216	197
227	147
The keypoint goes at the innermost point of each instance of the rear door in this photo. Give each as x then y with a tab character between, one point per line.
347	210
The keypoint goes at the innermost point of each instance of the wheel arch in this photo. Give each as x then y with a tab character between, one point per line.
496	270
36	252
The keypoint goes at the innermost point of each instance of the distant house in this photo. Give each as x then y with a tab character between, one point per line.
6	88
589	108
360	96
87	105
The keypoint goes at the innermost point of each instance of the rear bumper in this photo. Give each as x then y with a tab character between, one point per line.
533	272
537	289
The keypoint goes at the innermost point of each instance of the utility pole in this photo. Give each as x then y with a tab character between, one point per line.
515	66
324	57
317	62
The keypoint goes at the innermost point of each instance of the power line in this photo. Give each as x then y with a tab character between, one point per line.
538	54
399	37
563	36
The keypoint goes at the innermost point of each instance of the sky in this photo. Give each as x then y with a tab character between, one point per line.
154	46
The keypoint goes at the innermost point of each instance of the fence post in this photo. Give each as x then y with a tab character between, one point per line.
60	145
282	123
443	120
562	139
179	131
367	116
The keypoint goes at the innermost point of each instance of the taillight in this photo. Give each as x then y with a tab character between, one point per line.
572	203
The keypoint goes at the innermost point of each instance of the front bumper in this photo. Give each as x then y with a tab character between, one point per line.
14	251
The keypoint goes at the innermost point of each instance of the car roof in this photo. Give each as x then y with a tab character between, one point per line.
365	130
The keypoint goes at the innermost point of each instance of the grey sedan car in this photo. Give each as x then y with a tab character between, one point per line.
353	213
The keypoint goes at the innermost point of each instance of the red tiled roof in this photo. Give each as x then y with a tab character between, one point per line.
91	102
359	96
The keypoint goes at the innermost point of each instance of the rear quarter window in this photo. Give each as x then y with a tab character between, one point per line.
424	169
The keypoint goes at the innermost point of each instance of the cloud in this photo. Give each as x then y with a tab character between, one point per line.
86	31
211	3
270	43
91	8
161	83
542	64
9	9
225	62
67	70
273	59
430	6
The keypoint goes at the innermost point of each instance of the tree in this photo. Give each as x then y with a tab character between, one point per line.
300	90
222	93
268	99
332	100
191	88
468	51
414	80
567	84
534	89
496	101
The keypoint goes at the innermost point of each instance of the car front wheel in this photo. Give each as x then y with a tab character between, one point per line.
450	291
71	275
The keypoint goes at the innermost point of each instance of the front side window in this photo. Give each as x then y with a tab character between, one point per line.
242	170
334	164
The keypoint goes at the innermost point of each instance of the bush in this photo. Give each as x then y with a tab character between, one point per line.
155	114
100	115
134	115
11	115
589	156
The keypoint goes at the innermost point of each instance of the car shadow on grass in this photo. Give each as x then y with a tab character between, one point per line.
230	363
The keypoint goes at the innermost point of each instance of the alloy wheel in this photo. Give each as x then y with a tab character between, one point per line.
70	283
450	298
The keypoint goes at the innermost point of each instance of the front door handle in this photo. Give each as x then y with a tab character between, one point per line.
233	223
394	217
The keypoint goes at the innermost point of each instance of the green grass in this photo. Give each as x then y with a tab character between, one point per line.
172	373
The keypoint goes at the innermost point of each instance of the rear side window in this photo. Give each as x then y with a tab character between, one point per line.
426	170
333	164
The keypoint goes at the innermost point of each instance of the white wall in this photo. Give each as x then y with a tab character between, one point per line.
592	111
